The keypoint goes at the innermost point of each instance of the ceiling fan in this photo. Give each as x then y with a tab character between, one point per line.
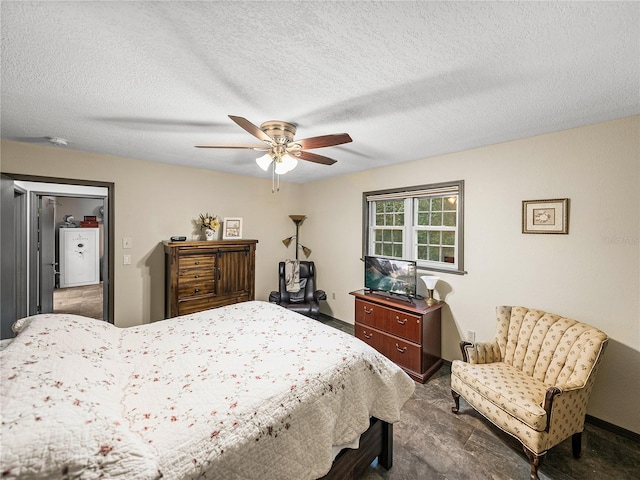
282	151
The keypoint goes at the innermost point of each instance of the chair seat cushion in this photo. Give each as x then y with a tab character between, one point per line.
505	387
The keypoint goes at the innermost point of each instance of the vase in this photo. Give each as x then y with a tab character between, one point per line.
210	234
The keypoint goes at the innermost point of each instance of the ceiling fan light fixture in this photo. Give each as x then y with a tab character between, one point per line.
285	164
264	161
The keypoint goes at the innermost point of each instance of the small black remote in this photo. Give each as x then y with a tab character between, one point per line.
178	239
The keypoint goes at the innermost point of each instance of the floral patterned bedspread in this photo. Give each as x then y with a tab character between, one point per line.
248	391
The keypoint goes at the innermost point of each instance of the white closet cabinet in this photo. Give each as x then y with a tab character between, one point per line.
79	256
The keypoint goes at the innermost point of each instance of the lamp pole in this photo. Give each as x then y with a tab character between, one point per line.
297	219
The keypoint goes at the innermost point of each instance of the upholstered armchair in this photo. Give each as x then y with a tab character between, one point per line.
533	380
307	300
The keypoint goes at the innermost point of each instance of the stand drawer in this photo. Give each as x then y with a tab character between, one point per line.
375	316
403	353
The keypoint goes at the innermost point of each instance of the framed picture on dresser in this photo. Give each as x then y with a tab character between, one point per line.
232	229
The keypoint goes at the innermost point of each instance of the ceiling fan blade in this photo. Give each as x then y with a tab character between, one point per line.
314	157
248	147
251	128
324	141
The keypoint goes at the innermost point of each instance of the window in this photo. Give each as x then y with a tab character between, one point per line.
423	223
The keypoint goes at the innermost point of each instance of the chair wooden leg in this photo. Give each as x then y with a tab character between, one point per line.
535	460
576	444
456	398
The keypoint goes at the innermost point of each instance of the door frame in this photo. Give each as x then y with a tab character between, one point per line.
109	279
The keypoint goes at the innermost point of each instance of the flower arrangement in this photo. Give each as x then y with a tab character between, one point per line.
209	222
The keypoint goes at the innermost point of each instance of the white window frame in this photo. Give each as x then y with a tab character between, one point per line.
410	229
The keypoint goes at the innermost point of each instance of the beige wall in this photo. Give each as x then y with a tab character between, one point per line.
592	274
154	201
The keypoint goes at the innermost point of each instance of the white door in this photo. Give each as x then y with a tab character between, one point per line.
79	257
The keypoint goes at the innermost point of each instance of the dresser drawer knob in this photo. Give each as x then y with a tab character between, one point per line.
196	263
364	332
401	350
196	276
368	311
196	290
401	322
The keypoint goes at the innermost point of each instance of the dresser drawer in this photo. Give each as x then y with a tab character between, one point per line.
403	353
195	287
205	261
371	337
405	325
196	305
373	315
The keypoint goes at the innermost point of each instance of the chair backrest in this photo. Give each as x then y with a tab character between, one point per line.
548	347
307	271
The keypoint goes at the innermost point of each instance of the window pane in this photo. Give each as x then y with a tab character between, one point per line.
397	236
380	219
423	204
436	219
422	253
449	219
397	250
448	254
378	236
399	220
448	238
387	250
451	203
434	238
434	254
422	237
436	204
423	219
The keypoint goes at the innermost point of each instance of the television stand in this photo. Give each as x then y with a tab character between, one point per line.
408	333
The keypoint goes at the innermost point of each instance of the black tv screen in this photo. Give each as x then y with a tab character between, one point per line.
390	275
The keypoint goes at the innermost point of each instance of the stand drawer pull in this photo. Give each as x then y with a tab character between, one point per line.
364	332
401	350
401	322
368	311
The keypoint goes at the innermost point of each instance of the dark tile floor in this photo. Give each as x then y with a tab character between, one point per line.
431	442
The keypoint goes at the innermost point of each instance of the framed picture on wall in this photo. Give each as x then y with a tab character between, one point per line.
232	229
545	216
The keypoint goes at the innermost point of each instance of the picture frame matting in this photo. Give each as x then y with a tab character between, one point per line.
545	216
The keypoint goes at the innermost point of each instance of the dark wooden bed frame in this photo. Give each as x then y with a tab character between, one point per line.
377	441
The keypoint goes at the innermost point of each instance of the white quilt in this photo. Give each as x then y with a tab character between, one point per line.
248	391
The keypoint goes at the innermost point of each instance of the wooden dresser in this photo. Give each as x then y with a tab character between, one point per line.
408	332
206	274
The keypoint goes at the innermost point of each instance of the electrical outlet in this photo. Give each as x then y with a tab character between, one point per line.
471	336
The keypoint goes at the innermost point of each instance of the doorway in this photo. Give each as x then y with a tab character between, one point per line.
24	228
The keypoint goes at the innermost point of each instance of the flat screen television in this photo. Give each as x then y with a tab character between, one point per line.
390	275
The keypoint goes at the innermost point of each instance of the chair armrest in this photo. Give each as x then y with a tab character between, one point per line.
566	402
274	297
319	295
481	352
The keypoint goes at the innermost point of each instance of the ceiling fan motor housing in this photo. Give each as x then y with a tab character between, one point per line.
281	132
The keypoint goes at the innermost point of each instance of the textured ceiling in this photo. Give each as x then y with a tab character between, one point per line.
407	80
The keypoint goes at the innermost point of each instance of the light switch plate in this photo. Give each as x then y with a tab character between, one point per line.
127	242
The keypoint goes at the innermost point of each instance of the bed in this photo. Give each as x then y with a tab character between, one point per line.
247	391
